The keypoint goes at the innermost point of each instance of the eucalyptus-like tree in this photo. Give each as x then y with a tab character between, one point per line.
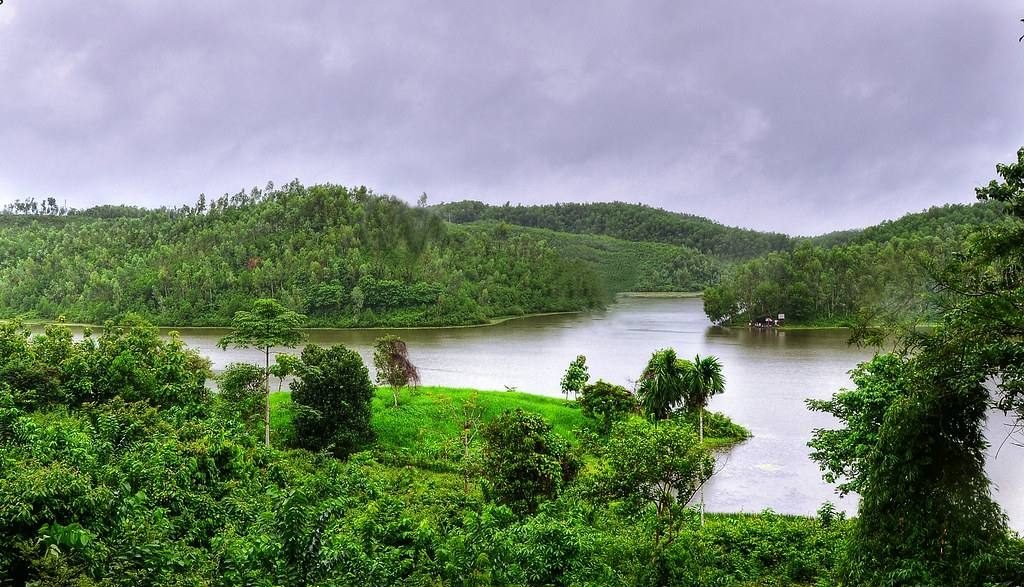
267	325
394	369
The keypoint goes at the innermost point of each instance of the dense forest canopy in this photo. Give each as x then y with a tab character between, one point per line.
346	257
632	222
842	278
349	257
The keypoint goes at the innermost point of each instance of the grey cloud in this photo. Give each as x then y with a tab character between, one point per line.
797	116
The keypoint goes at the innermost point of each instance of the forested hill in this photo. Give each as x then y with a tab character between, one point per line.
345	257
946	222
841	278
632	222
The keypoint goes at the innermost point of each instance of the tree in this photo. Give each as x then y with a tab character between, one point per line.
524	461
470	417
660	466
576	376
606	403
662	384
702	379
333	396
843	453
284	366
922	474
267	325
394	369
241	387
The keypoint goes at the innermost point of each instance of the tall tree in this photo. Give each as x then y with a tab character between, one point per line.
267	325
920	463
703	379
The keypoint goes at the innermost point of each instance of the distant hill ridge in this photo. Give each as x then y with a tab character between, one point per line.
631	222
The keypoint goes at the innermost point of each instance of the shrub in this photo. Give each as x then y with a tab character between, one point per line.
525	463
242	389
332	396
606	403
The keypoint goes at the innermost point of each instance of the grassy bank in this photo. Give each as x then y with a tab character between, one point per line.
425	427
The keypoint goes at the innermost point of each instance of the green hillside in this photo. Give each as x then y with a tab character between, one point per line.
632	222
345	257
839	279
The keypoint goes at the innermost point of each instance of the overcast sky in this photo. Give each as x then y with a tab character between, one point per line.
799	116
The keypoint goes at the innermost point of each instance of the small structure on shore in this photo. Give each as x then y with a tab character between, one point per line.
767	321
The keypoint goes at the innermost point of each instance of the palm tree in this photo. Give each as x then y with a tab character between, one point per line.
702	379
662	384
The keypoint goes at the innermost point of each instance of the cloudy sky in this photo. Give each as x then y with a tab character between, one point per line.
800	116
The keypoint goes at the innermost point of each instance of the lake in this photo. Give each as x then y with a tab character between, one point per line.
768	376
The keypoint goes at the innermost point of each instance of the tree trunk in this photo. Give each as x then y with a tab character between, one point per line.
266	398
700	435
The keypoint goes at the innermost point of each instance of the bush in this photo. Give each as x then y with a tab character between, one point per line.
525	463
242	392
606	403
332	396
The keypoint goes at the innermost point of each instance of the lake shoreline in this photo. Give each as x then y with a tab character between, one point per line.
490	322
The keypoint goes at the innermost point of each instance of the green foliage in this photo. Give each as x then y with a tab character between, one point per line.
268	324
702	379
576	376
631	222
284	366
345	257
663	384
843	453
133	493
524	463
241	388
623	265
914	443
606	403
128	360
834	281
332	396
719	429
658	465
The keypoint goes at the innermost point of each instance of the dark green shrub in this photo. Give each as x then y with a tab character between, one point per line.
524	462
606	403
332	396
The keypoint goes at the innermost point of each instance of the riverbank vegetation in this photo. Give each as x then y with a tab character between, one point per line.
843	279
121	468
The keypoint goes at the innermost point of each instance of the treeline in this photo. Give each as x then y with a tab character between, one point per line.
844	278
632	222
946	222
345	257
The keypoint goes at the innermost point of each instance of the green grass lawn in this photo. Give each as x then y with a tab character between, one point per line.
424	428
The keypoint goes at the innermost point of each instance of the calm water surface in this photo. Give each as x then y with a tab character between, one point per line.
768	376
